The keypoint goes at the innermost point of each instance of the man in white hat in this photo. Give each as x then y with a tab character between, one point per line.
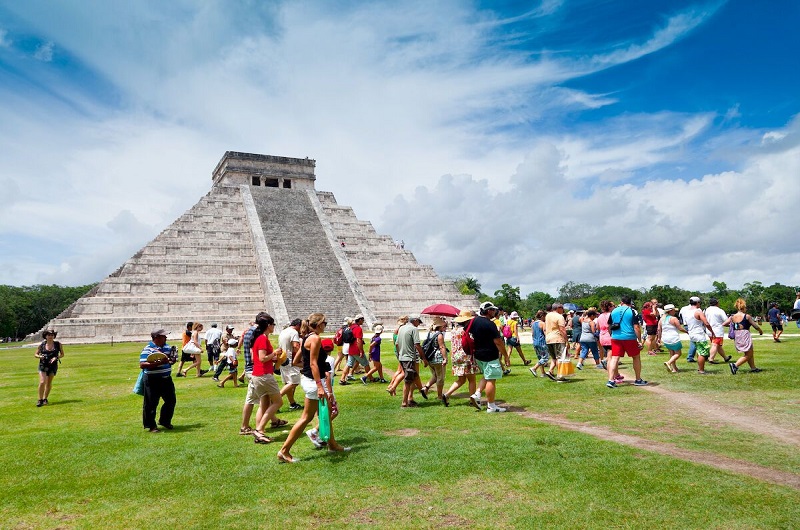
488	348
156	362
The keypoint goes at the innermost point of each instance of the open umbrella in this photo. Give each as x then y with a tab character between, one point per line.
570	306
442	310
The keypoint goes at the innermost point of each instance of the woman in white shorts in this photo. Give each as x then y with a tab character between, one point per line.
315	383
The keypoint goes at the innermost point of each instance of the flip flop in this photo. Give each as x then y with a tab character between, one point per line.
286	459
278	423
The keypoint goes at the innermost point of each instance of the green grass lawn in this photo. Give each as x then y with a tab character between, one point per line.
84	461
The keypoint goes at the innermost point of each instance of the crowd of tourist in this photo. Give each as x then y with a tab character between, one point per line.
481	345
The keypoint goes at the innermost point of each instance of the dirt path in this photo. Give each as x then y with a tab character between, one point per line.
730	415
725	414
724	463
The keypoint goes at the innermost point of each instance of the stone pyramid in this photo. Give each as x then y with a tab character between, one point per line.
262	239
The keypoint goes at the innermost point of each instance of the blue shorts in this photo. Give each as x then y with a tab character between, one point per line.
360	359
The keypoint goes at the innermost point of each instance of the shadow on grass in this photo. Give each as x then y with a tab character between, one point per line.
63	402
186	427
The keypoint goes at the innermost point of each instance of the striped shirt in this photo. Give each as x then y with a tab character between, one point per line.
164	370
247	345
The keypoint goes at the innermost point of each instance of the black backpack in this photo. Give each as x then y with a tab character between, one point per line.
430	345
348	336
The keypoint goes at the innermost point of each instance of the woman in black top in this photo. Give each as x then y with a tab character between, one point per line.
315	382
49	354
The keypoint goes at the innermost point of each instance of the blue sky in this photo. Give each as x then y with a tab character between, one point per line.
607	142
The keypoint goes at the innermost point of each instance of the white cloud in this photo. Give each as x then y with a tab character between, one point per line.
44	52
542	232
5	42
386	100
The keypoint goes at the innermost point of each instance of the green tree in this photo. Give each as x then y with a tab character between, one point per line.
535	301
468	285
24	310
753	293
508	298
571	291
667	294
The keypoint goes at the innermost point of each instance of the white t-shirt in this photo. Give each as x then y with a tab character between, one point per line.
716	317
285	340
694	326
796	304
212	335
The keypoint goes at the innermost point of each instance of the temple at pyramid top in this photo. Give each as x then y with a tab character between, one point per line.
264	170
262	239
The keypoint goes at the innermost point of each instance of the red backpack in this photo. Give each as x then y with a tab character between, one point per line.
337	337
467	342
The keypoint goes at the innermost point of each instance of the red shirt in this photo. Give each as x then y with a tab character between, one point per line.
358	333
650	317
260	368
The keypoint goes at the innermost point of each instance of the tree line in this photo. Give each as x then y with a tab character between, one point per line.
25	310
756	294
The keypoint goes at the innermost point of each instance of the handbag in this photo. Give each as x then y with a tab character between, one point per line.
138	387
191	348
732	331
324	420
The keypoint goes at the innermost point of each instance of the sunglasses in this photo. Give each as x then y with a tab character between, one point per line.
324	322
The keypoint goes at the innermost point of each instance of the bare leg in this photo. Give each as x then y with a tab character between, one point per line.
309	411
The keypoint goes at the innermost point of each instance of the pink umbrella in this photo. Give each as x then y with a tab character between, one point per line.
442	310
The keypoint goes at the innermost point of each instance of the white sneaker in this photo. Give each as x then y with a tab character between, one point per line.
495	409
312	435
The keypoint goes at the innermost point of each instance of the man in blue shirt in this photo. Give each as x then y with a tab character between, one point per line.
158	381
626	337
775	321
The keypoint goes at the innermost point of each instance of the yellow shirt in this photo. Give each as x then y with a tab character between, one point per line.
498	323
512	323
553	326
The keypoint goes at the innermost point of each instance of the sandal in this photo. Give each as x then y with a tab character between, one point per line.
286	458
244	431
261	438
278	423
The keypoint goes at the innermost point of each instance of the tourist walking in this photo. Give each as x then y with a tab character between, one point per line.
193	348
588	338
741	323
49	353
774	317
213	346
289	342
716	317
409	353
438	360
355	353
375	357
513	341
186	357
465	368
263	384
315	384
488	347
398	376
667	333
555	334
156	362
650	317
250	401
626	338
539	343
696	325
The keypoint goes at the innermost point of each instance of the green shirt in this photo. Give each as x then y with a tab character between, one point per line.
407	337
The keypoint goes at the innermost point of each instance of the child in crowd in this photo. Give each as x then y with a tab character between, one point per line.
375	357
229	357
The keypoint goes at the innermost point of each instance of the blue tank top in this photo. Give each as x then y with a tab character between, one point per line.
538	335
